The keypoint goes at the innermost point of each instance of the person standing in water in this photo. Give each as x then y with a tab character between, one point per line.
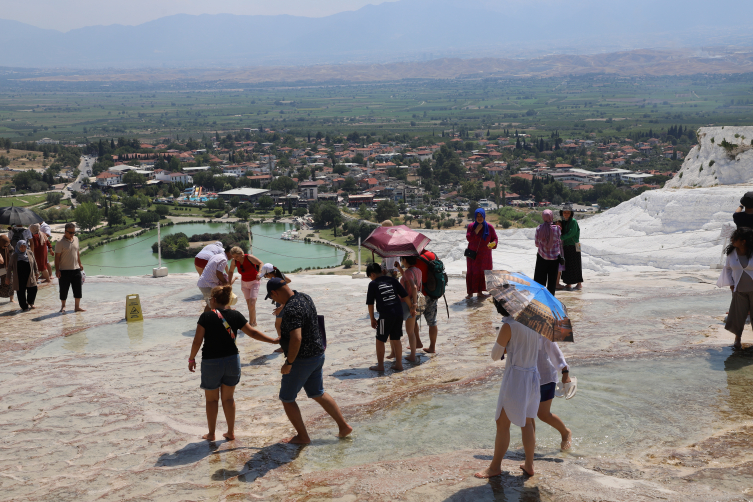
482	238
549	256
68	267
217	330
25	271
573	273
387	293
738	275
519	394
549	362
248	267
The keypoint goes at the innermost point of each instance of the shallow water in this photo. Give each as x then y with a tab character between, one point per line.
621	407
134	256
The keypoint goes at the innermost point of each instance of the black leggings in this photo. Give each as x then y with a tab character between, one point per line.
26	296
70	278
546	273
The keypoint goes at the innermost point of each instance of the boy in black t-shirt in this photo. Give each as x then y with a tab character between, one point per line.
387	292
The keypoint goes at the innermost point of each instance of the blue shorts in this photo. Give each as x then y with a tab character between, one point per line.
547	391
406	312
220	371
305	374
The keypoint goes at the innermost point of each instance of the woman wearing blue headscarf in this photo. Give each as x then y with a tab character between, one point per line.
481	240
24	270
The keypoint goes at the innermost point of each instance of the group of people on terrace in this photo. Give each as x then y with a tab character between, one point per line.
25	265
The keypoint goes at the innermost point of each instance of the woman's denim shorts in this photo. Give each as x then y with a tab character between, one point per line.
220	371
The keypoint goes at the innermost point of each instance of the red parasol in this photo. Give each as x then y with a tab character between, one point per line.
396	241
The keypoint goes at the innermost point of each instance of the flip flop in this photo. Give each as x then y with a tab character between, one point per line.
566	390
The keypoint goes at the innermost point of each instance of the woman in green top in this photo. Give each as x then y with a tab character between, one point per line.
573	273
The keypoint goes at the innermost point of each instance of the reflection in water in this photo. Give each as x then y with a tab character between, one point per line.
503	488
135	333
739	369
625	406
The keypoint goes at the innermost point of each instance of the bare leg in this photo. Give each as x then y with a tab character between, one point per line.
545	415
251	311
397	349
501	443
380	357
213	398
62	305
330	406
228	408
433	331
409	324
278	323
419	345
529	445
294	415
77	304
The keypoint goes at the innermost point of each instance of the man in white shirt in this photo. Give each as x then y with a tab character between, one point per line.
213	275
206	254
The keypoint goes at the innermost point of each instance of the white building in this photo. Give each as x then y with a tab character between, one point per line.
108	178
47	141
175	178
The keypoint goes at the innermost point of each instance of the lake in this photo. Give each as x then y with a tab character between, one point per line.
134	256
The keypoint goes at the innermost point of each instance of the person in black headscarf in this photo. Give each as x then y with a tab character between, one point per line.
573	273
25	272
743	216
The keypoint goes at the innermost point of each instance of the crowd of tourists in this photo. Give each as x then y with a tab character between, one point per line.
25	264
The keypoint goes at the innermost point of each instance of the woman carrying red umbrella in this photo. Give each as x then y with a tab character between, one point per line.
481	240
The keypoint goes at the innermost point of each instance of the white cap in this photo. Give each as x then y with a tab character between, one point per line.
267	268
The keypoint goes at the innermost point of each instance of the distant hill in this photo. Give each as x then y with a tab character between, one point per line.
406	30
629	63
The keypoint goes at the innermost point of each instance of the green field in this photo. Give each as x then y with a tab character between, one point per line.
575	106
23	200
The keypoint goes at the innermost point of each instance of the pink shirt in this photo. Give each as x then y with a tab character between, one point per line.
413	274
549	252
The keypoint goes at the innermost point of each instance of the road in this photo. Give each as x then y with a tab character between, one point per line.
83	178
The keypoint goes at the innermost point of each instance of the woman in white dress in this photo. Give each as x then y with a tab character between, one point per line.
519	395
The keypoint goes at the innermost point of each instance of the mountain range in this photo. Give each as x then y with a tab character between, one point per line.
405	30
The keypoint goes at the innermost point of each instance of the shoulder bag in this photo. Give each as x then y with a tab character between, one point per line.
470	253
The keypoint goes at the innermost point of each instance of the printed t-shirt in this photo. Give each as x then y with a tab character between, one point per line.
387	293
300	312
208	277
68	251
248	270
424	268
217	341
743	219
210	250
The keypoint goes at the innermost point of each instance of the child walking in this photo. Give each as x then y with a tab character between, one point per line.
387	293
519	394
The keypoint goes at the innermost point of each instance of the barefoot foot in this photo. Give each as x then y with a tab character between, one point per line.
278	350
80	310
377	368
430	350
391	356
397	367
229	436
297	440
345	431
488	473
527	471
208	437
567	441
412	359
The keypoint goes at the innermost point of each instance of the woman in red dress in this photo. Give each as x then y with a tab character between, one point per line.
40	245
482	239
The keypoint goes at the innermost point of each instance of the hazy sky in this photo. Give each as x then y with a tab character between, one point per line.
66	15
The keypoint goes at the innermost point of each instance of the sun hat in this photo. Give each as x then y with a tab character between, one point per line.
274	284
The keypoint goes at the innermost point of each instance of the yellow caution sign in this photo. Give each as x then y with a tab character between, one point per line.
133	308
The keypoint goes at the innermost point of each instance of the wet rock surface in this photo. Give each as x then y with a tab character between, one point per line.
94	408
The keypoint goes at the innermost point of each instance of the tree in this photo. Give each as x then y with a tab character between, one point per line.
300	212
340	169
131	204
53	198
4	161
266	202
386	209
349	185
161	210
241	214
472	210
87	215
235	201
278	211
133	178
115	216
283	184
148	217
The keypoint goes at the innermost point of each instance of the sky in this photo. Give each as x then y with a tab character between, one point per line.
64	15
